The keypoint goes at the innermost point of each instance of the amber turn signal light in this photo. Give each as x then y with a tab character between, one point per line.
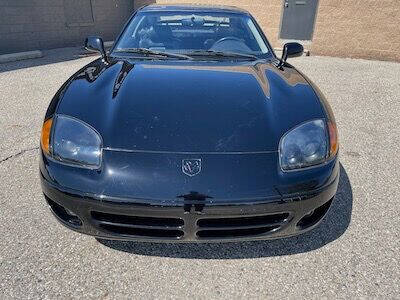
333	138
45	136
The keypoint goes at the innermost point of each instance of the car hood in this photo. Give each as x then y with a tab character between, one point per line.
189	106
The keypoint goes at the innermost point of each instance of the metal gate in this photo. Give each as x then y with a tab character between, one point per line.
298	19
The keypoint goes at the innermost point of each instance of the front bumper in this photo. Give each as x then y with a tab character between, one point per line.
189	221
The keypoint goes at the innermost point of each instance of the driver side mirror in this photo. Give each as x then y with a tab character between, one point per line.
94	43
291	50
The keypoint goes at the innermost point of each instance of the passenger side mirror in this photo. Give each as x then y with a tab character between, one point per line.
291	50
94	43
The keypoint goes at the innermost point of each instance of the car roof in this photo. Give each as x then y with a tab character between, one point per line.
193	7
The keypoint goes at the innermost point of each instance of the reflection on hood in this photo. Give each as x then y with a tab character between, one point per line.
123	73
190	106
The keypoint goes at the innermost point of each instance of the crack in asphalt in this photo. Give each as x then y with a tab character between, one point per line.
18	154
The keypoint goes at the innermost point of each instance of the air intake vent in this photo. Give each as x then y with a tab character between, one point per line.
240	226
314	217
139	225
63	214
235	232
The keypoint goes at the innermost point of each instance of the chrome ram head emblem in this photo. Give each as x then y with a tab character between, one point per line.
191	167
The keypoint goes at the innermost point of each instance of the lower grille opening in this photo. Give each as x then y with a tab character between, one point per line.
156	227
143	232
315	216
244	221
235	232
63	214
136	220
240	226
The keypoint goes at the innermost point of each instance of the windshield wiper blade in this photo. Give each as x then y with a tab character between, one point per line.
149	52
221	54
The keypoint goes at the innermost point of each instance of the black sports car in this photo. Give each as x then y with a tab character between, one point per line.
189	129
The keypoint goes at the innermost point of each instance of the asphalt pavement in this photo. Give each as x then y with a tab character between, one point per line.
353	253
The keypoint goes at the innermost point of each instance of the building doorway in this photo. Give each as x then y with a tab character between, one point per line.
298	19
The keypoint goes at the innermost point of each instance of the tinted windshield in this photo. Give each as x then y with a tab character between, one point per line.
185	32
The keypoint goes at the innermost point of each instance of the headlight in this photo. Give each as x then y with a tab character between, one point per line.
304	146
75	142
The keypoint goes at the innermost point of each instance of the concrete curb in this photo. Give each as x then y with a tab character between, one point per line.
108	44
20	56
305	53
